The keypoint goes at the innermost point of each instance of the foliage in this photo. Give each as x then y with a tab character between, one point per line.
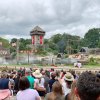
92	61
62	42
22	43
66	56
5	42
41	51
92	38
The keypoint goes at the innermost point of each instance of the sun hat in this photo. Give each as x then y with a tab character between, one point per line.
37	74
68	77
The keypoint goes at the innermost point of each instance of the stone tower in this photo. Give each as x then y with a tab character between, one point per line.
37	36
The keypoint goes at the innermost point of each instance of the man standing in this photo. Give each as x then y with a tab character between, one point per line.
88	87
68	80
30	78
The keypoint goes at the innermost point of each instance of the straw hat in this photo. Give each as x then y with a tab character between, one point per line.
68	77
37	74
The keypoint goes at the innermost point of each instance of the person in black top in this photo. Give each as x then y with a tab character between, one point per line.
52	80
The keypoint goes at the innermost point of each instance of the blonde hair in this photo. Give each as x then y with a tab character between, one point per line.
57	88
57	92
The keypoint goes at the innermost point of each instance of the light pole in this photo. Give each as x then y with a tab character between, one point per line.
17	51
28	56
99	40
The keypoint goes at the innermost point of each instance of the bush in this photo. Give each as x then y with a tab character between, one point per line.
66	56
92	61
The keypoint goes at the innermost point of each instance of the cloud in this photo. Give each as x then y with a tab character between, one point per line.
19	17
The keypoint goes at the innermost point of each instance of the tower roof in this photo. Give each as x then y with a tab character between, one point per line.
37	30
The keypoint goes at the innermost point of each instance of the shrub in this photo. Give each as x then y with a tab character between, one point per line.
92	61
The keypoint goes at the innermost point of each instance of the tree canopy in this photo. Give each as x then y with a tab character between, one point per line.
92	38
5	42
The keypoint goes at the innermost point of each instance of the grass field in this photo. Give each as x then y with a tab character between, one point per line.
40	66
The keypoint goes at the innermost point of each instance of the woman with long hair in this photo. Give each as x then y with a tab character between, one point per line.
57	92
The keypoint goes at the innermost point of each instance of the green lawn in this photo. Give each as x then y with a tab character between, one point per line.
40	66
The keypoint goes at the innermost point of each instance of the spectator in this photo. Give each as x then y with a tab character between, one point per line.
4	82
73	73
25	92
4	87
39	83
52	71
88	87
46	83
20	71
68	79
52	80
57	75
16	79
71	95
98	74
57	92
30	78
11	83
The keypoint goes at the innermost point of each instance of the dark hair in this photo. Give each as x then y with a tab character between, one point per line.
88	86
57	73
41	70
69	83
52	69
47	73
24	83
53	75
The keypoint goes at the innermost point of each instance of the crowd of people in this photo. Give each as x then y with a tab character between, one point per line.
40	84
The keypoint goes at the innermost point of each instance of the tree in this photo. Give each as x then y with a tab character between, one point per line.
60	42
13	40
53	46
92	38
56	38
5	42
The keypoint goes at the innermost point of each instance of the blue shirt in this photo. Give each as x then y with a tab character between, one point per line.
4	83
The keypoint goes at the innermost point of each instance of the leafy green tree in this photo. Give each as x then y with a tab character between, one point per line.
92	38
13	40
61	43
56	38
46	41
5	42
53	46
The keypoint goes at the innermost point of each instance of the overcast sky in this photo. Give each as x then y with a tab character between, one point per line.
19	17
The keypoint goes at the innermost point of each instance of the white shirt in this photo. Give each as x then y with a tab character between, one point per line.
28	94
66	90
41	83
